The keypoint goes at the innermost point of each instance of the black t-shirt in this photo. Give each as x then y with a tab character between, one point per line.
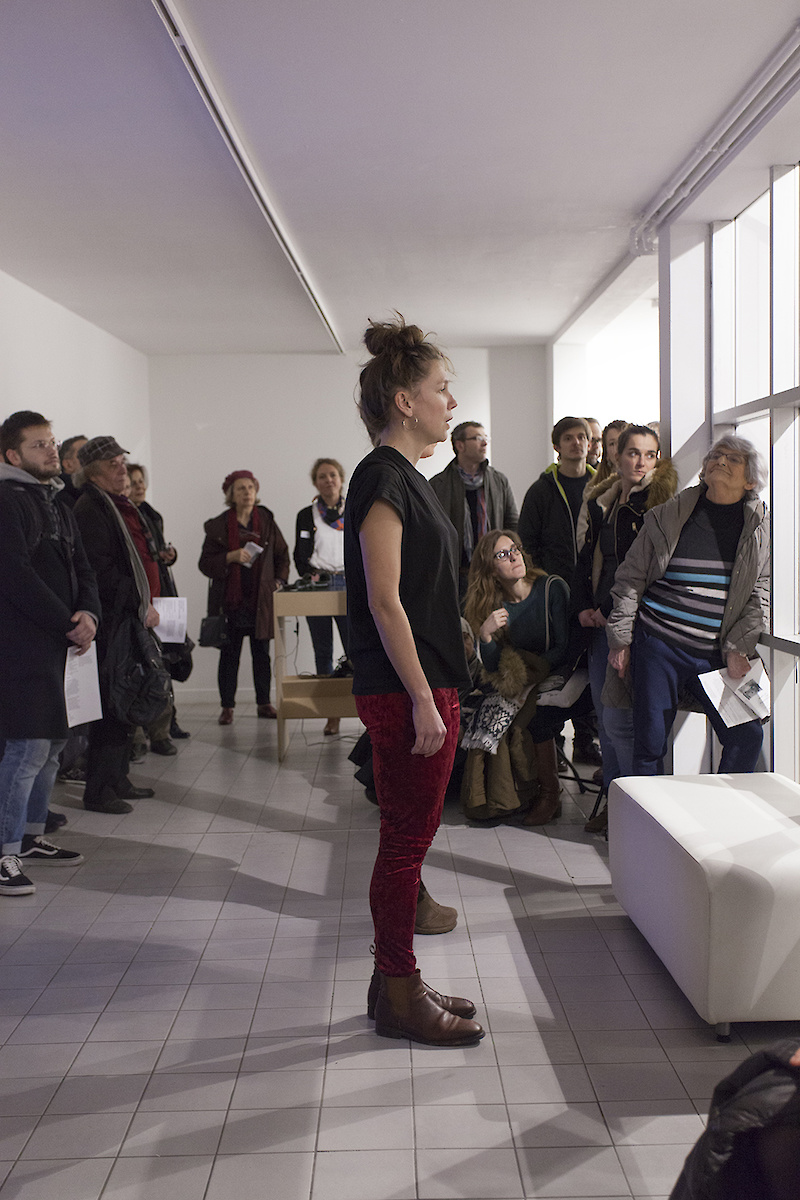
573	490
428	574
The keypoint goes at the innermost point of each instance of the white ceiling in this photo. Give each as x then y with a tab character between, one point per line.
476	164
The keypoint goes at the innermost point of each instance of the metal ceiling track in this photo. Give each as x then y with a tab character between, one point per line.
192	61
770	88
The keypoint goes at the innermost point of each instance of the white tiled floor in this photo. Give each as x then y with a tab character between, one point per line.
183	1016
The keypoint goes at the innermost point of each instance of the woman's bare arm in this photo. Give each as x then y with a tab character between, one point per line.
381	537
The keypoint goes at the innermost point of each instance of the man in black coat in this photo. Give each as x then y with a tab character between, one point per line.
115	545
48	602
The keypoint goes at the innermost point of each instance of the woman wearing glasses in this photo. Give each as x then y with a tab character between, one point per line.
692	596
519	616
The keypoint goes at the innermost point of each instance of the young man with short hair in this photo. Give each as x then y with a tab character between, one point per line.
48	602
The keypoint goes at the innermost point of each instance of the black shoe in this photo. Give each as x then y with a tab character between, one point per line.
163	746
343	669
55	820
36	849
588	753
127	791
107	802
176	733
72	775
12	881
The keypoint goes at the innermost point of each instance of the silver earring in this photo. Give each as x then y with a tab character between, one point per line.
403	423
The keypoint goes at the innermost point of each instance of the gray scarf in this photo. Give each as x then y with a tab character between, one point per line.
137	566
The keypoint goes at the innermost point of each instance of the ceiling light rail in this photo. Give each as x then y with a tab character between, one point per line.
213	102
769	89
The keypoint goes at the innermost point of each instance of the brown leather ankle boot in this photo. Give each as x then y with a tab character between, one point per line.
548	802
454	1004
405	1010
432	917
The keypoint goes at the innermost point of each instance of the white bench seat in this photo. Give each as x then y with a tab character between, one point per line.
708	869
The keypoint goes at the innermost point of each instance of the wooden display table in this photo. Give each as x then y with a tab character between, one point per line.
302	696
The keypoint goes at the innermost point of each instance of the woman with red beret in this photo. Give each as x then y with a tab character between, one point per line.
246	558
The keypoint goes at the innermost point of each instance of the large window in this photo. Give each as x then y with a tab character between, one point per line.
755	372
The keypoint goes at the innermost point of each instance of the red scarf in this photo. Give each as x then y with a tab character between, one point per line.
233	585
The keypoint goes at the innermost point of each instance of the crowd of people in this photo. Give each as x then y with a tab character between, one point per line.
452	597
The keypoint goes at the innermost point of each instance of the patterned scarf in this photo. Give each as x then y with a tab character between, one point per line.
338	521
473	483
233	585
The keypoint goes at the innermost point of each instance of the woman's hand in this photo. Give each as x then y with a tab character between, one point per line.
586	618
495	621
599	620
620	660
738	665
428	726
237	556
168	555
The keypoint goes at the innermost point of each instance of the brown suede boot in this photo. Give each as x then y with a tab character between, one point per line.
548	803
453	1004
432	917
405	1010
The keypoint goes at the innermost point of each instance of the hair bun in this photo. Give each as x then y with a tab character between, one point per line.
392	337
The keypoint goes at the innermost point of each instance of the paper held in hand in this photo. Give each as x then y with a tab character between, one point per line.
739	700
173	611
82	687
253	550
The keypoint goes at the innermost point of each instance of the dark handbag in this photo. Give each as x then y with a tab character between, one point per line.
214	631
134	683
178	659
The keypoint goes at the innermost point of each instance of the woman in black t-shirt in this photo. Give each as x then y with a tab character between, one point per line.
405	643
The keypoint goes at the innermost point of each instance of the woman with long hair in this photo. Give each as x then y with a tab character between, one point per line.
406	646
616	509
519	616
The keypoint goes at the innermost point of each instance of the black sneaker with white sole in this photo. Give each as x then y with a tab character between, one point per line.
36	849
12	881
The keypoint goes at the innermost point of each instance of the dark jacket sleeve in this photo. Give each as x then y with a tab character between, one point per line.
280	555
214	555
20	584
510	514
88	595
531	523
304	546
107	557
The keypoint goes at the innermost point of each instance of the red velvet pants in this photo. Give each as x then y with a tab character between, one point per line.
410	792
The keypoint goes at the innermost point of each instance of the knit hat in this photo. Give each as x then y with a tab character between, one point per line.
234	475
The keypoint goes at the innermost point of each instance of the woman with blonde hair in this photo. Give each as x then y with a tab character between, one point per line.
318	548
519	616
247	560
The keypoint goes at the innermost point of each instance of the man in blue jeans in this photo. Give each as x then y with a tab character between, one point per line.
48	602
691	596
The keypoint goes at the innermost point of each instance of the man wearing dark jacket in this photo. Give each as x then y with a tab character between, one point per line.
48	602
548	527
475	496
117	550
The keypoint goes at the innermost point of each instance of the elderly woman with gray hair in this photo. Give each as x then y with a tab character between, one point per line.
692	596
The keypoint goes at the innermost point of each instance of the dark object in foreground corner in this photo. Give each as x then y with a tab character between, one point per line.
751	1147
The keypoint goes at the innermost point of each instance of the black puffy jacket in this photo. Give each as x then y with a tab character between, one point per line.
763	1091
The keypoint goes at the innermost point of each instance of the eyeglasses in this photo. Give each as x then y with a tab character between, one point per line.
503	554
52	444
477	437
733	460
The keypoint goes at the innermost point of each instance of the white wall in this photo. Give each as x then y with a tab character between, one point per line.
272	414
85	380
521	420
